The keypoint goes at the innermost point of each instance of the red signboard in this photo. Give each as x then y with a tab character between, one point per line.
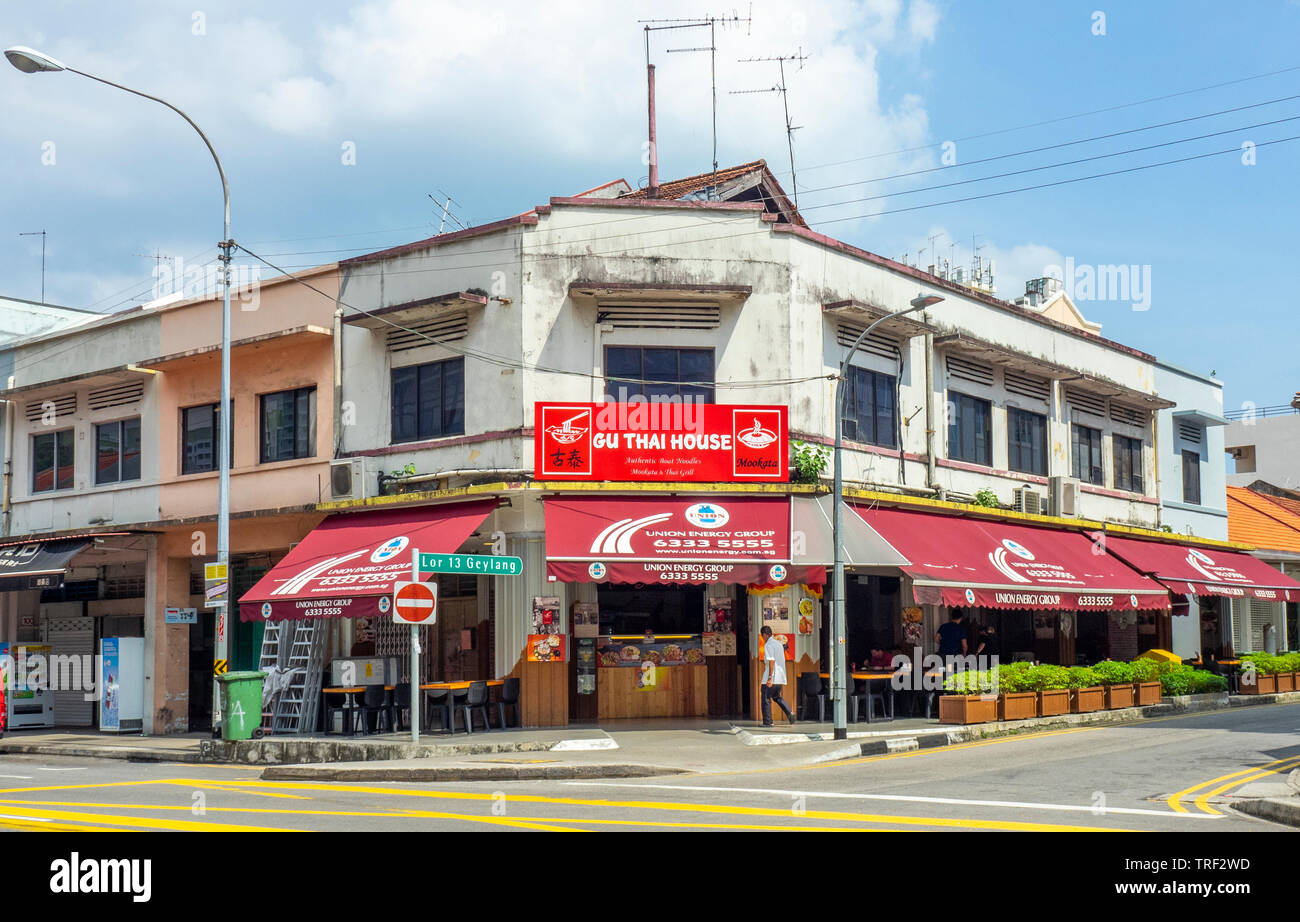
674	540
670	441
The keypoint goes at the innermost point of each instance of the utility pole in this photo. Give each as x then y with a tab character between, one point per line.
42	235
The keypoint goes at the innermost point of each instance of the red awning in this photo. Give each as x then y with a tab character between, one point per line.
1196	571
957	562
672	540
347	565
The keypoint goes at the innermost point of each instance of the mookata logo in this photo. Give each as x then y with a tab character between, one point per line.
389	549
998	557
758	448
707	515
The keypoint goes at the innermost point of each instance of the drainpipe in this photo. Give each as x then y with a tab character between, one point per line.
1155	452
338	381
931	480
9	462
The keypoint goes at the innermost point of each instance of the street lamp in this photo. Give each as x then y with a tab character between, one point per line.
838	653
30	61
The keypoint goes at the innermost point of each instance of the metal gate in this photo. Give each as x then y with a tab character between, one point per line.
71	637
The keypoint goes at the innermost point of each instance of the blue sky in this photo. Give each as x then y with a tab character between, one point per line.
505	105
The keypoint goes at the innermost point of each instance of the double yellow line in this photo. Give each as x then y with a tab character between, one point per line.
1216	786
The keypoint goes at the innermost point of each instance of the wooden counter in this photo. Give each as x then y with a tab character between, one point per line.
681	691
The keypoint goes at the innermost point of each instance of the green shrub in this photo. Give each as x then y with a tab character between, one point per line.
1082	677
1177	681
1203	682
1265	663
969	682
1014	678
1145	670
1110	672
1290	662
1047	678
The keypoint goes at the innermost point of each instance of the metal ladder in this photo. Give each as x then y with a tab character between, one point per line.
269	658
295	708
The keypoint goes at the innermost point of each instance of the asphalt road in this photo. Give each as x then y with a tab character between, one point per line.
1169	775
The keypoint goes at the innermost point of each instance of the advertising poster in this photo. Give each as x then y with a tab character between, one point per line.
776	613
627	651
109	717
719	637
586	619
546	648
546	615
787	640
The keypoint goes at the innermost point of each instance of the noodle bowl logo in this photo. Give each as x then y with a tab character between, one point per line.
998	558
757	436
567	433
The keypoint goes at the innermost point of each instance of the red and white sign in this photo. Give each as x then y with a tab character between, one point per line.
681	442
674	540
415	603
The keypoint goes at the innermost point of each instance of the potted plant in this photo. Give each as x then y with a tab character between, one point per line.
1086	693
970	699
1146	681
1117	679
1259	674
1288	667
1016	700
1052	686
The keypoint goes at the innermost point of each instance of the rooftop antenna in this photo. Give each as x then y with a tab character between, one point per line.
42	235
446	211
933	238
661	25
790	129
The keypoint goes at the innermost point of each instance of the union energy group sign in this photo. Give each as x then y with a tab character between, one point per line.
668	441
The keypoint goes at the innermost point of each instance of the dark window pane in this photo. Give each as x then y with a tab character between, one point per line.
1192	477
661	365
968	430
107	453
200	439
63	459
43	462
623	362
130	449
884	424
658	373
700	393
453	397
405	403
697	365
430	414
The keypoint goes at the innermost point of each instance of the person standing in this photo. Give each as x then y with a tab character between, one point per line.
951	637
773	676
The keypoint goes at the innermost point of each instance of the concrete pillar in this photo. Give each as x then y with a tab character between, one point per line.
514	599
167	646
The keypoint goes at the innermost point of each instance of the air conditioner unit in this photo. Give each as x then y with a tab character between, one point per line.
1065	496
347	479
1027	500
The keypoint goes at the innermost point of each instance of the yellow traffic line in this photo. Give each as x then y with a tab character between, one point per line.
1235	779
133	821
685	807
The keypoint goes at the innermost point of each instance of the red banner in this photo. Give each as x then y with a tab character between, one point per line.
670	441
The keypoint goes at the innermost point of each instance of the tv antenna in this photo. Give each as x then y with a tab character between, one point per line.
790	129
663	25
42	236
933	259
447	212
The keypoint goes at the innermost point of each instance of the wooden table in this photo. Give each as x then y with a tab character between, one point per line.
870	677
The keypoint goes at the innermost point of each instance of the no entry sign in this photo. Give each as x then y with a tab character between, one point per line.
415	603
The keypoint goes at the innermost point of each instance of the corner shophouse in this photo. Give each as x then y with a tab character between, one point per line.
113	476
449	345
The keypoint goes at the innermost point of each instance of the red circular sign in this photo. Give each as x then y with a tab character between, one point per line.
414	602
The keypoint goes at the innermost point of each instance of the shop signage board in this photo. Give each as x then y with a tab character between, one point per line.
180	616
674	442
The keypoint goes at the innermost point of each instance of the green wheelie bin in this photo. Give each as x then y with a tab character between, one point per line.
241	705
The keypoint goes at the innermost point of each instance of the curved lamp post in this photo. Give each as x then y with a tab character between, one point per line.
838	652
30	61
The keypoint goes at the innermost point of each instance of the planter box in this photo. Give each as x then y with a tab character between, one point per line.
1083	700
1286	681
1053	702
1017	706
1263	685
1119	696
1147	693
967	709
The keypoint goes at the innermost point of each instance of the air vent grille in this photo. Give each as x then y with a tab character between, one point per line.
1128	415
970	370
441	329
1190	432
64	405
117	395
1087	403
875	344
670	315
1026	385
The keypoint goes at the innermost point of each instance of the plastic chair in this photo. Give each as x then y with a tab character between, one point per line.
856	699
810	688
509	698
476	700
884	695
337	703
400	701
374	700
436	700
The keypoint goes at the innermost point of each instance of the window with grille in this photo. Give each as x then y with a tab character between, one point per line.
635	371
1128	463
869	407
1026	441
1192	477
970	432
1085	444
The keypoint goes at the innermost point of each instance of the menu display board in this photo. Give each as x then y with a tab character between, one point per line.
546	615
631	650
546	648
719	637
776	613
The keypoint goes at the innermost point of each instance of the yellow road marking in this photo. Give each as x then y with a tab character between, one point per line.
1175	801
139	821
231	787
1202	801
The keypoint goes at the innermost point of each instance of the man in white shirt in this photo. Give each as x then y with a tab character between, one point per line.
773	676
